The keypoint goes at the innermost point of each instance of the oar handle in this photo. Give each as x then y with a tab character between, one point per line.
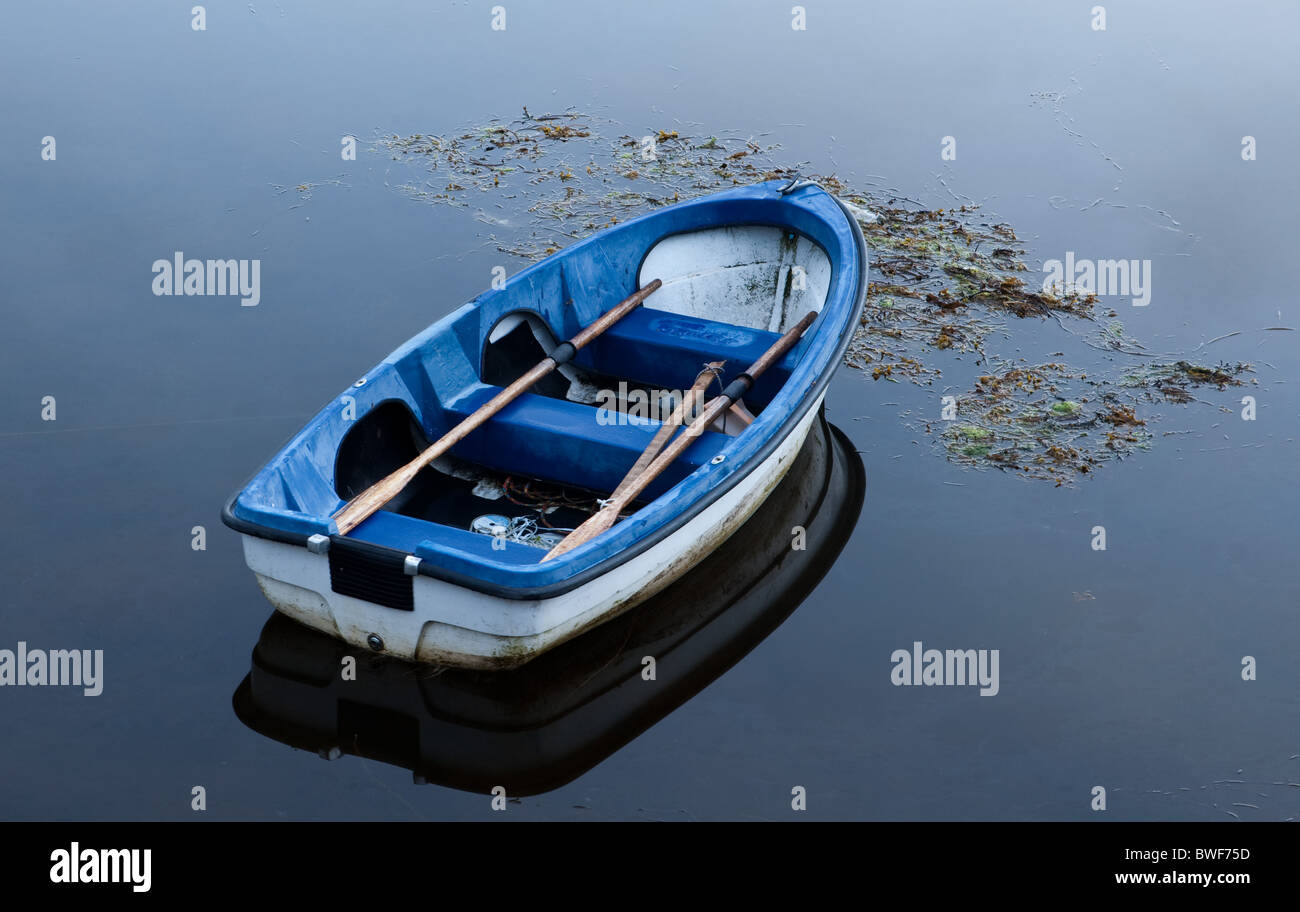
745	379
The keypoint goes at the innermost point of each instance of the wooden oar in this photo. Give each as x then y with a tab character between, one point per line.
684	409
355	511
608	514
740	413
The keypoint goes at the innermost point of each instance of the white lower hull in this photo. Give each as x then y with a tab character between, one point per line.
452	625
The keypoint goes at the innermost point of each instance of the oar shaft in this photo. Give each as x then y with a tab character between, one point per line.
681	412
712	411
360	508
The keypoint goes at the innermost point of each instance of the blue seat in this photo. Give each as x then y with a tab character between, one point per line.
565	442
667	350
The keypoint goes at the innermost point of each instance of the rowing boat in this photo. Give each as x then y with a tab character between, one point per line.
473	560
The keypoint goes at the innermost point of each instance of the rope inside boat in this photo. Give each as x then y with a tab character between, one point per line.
545	502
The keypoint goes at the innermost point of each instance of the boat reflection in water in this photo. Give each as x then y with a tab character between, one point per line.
540	726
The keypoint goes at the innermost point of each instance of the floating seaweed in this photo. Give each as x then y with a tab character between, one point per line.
567	178
1172	381
1021	418
944	281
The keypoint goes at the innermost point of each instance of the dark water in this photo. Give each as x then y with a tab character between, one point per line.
170	139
